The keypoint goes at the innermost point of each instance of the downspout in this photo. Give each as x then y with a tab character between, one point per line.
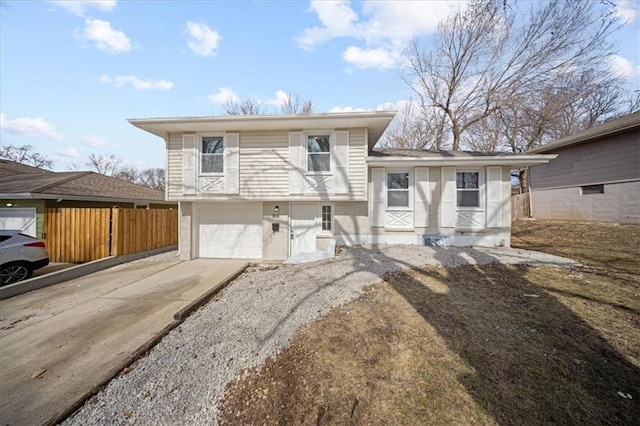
529	191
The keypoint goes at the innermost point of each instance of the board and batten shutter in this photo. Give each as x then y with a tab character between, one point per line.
189	156
231	163
494	197
377	197
296	163
448	198
422	197
340	162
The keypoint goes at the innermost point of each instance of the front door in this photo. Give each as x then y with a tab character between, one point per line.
303	228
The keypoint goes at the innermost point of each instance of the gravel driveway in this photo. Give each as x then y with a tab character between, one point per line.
182	379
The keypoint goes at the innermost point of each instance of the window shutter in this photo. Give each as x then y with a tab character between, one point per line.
340	163
377	197
189	158
231	163
448	198
422	197
296	163
494	197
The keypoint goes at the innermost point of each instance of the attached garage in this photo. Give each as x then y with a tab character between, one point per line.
229	230
23	219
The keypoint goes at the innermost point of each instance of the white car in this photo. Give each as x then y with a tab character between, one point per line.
20	255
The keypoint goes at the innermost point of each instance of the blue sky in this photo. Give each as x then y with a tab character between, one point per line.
72	72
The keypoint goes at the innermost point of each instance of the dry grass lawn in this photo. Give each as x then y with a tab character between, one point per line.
470	345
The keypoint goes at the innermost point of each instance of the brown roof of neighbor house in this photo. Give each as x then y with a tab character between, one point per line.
10	168
18	179
626	123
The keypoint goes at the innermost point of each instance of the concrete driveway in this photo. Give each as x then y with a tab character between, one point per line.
82	331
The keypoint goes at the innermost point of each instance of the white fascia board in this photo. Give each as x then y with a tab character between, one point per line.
512	161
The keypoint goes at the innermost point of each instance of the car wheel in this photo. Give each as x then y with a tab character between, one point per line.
14	272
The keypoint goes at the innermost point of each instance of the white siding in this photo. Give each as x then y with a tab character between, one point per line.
264	168
448	198
494	197
174	166
189	159
357	163
422	195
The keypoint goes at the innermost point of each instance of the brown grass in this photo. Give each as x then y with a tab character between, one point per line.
469	345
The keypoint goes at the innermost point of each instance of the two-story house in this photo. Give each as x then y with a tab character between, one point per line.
270	187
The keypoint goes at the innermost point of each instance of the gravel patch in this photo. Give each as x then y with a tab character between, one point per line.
183	378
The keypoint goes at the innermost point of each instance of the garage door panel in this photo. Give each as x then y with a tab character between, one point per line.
230	230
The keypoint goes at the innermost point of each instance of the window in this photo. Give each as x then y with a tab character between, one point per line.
212	154
398	189
592	189
327	219
468	189
318	153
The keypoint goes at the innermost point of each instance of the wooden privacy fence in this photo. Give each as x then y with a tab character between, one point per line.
77	235
520	206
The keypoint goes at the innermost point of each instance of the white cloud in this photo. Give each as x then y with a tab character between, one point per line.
280	98
370	58
29	126
104	36
203	40
223	95
80	7
384	26
623	68
69	152
626	11
137	83
95	141
347	109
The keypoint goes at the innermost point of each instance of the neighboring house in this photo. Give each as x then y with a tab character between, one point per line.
26	192
271	187
596	176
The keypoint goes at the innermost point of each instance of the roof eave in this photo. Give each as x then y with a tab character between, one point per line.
39	196
512	161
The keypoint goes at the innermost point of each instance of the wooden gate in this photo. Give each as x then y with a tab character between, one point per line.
77	235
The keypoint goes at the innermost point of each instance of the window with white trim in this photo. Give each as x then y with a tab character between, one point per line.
398	189
318	153
468	189
326	219
212	154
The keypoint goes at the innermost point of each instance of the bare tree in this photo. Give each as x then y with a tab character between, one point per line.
25	155
490	55
410	129
105	164
294	104
250	106
127	173
153	178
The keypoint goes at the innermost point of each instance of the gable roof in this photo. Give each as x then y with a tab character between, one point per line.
19	181
376	122
399	157
623	124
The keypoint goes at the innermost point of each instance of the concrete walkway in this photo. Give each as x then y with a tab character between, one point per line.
58	343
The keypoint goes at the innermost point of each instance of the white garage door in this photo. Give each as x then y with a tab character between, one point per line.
23	219
230	230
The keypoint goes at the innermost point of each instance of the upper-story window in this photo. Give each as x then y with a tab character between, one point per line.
318	153
398	189
212	154
468	189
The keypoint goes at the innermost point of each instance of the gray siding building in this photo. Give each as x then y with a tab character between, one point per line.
596	176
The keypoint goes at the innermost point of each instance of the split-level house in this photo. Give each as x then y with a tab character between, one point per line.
271	187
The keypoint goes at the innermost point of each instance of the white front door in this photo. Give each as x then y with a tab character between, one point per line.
303	228
22	219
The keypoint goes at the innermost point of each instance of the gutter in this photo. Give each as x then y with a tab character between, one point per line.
62	197
522	161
